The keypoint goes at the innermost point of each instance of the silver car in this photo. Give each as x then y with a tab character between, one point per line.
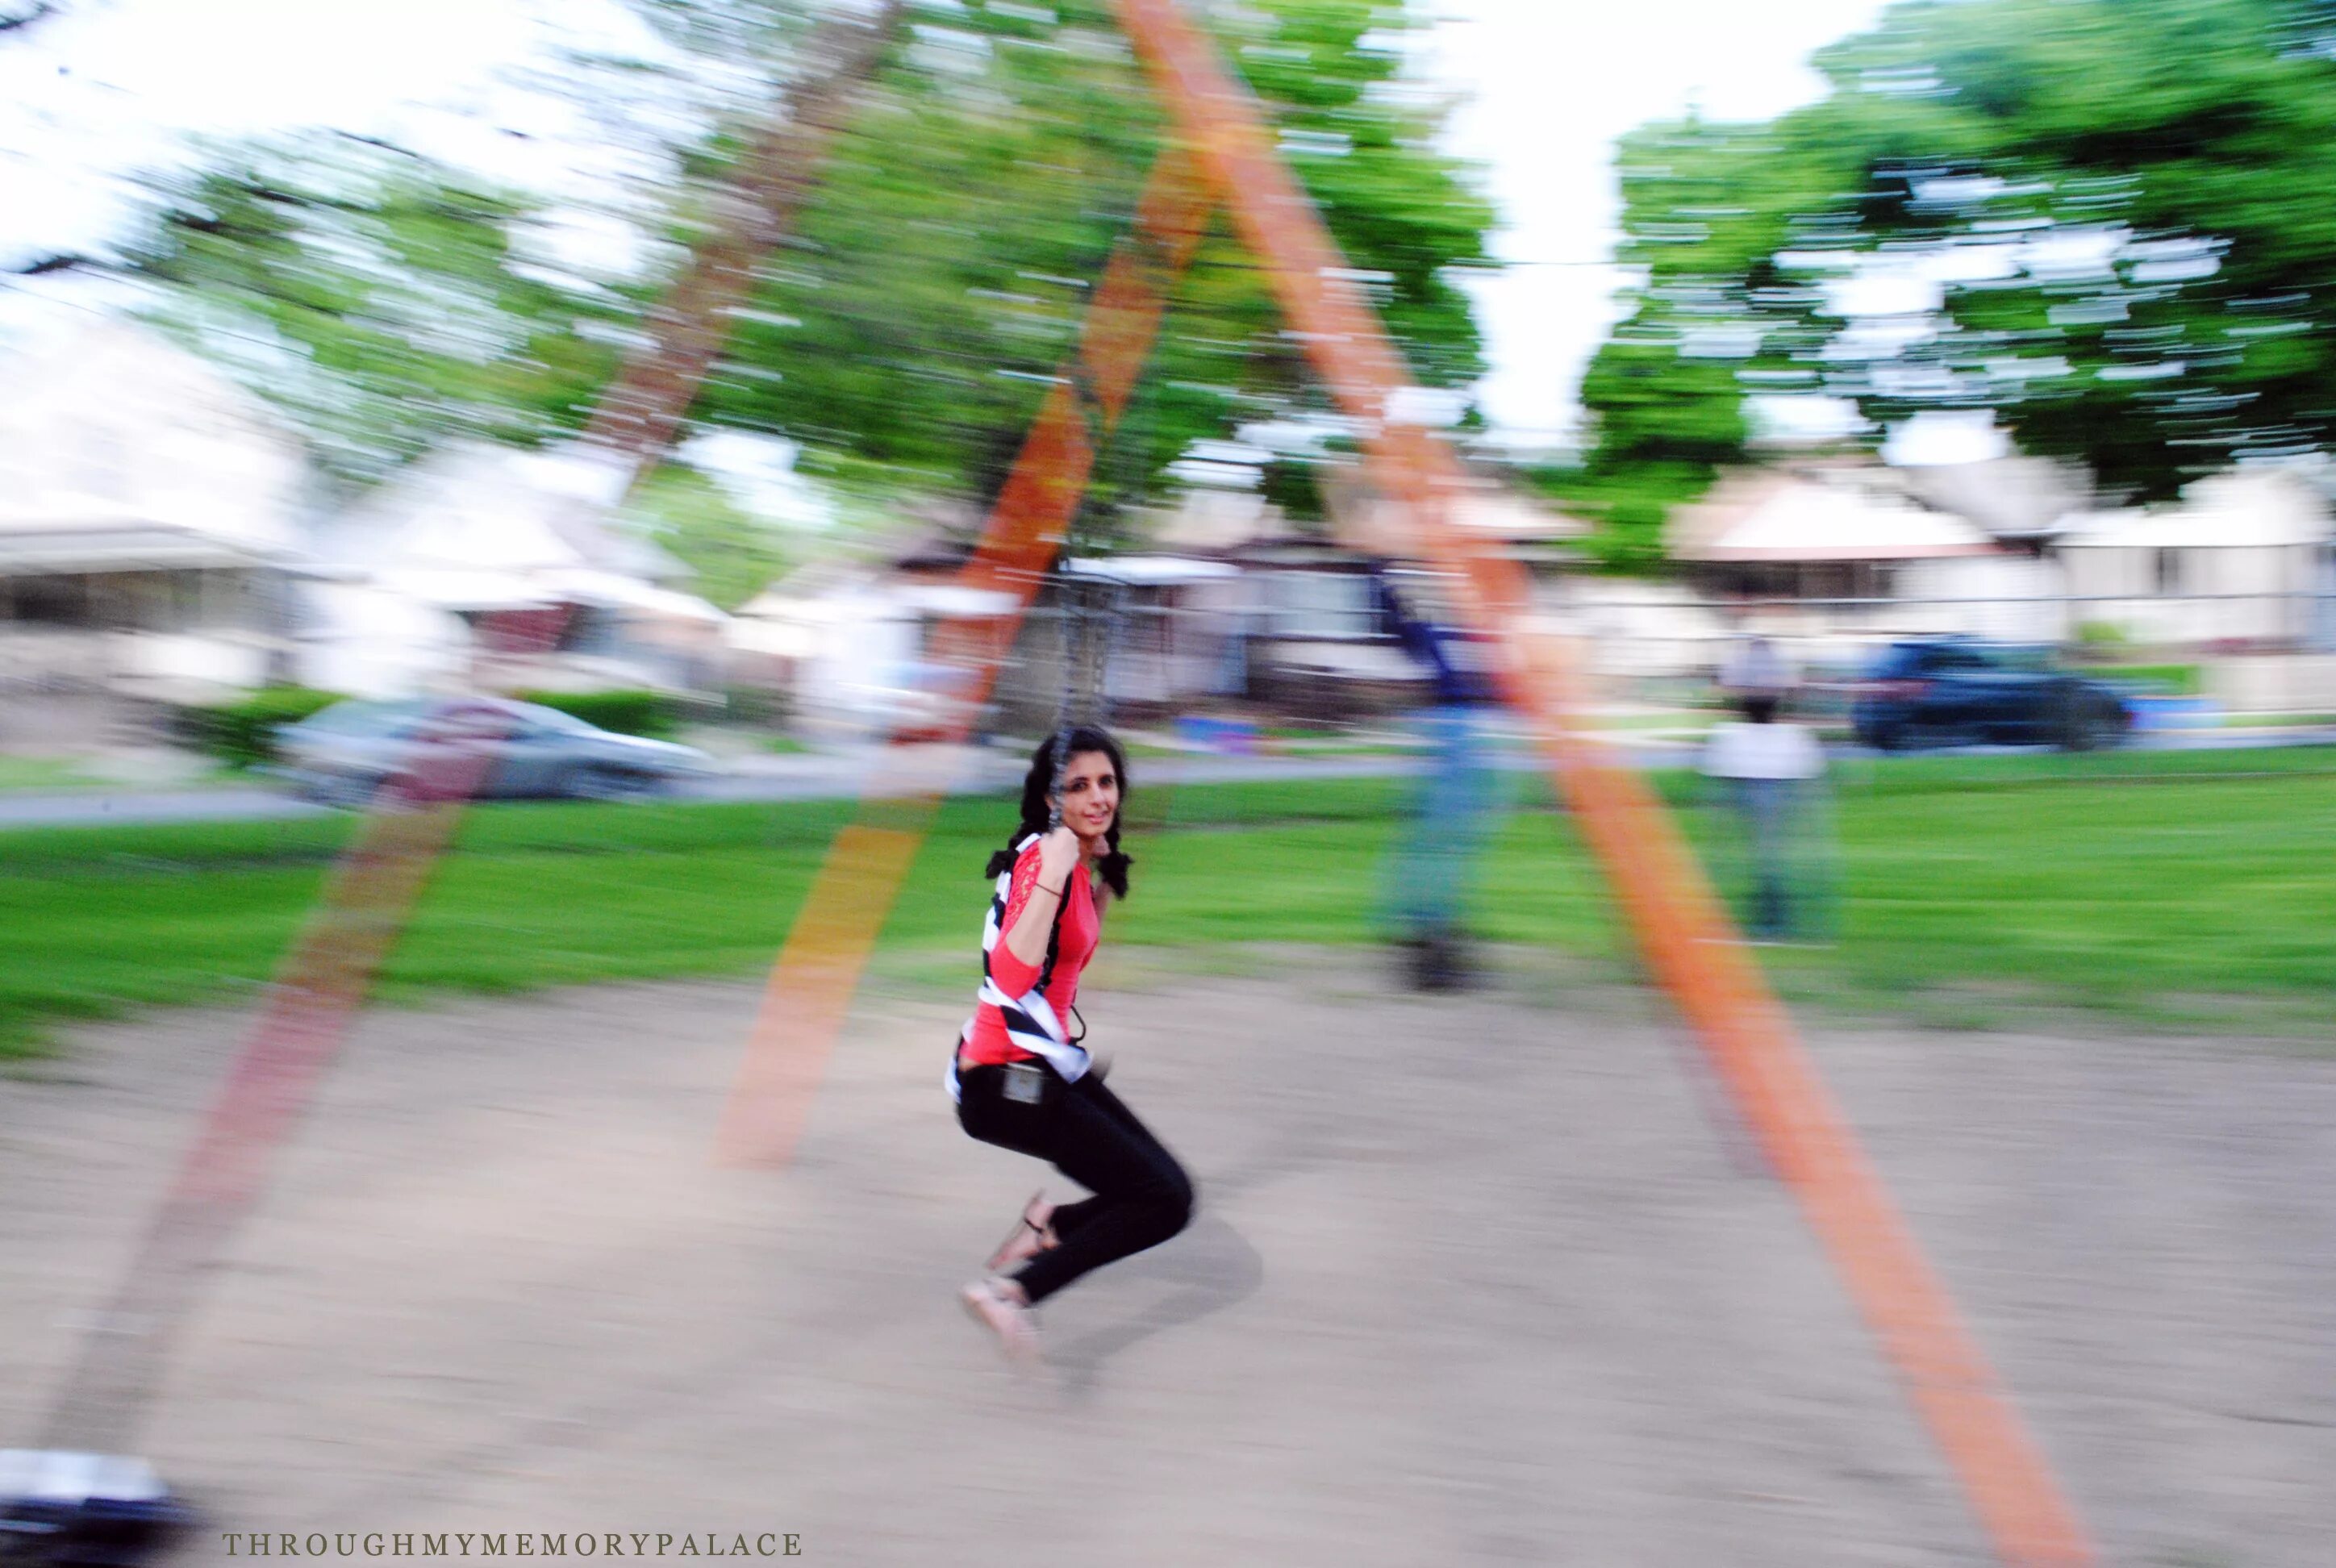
347	754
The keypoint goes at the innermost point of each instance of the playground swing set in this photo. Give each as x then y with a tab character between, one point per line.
78	1500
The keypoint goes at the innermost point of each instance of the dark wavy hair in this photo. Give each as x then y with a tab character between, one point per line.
1037	809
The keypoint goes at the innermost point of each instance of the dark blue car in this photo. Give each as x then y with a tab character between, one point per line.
1953	691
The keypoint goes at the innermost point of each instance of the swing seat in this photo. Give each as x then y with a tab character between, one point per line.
68	1510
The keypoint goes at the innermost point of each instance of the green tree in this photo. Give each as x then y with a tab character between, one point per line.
2116	200
941	275
935	282
377	298
732	554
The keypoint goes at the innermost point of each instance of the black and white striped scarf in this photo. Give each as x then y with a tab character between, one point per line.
1031	1022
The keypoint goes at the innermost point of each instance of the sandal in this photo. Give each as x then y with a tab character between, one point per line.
997	1307
1028	1239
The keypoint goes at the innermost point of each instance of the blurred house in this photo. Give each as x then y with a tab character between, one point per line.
2007	549
2242	559
848	645
1830	557
1839	533
148	521
2018	501
1228	603
1176	628
854	645
503	564
1310	643
1632	629
1834	557
1489	511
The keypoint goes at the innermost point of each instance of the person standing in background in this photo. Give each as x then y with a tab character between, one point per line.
1757	667
1769	768
1430	867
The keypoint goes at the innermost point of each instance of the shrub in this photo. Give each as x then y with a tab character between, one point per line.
242	734
641	713
2100	639
2172	679
760	706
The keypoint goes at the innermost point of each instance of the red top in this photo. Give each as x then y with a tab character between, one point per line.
986	1042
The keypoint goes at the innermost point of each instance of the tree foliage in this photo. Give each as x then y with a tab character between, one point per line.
732	554
378	299
940	280
2104	219
935	281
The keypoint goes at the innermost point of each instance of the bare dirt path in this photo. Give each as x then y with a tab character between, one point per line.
1481	1280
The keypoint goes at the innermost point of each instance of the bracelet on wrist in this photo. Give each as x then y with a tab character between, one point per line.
1044	888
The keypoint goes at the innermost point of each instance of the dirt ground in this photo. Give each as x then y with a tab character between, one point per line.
1480	1280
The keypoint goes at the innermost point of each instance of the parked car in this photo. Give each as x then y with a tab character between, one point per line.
1954	691
345	754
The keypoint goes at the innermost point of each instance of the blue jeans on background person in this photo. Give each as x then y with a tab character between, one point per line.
1768	806
1449	818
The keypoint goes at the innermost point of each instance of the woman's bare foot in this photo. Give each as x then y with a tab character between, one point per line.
1032	1234
1000	1306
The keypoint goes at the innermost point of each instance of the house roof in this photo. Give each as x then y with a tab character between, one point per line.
120	450
1766	515
480	527
2010	497
1208	519
457	588
614	590
1151	570
473	505
1503	511
2227	510
128	545
813	580
1486	508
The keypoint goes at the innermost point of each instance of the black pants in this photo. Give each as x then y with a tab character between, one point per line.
1142	1195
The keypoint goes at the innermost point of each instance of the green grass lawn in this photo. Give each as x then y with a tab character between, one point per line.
2276	720
47	775
2172	679
41	772
2127	884
1310	746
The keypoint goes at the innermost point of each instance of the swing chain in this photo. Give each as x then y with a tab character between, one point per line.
1088	607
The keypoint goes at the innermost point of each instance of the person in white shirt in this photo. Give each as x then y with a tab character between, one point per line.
1768	767
1758	668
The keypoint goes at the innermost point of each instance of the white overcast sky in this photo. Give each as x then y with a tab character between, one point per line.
1547	84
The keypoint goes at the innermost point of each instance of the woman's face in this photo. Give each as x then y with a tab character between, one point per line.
1090	794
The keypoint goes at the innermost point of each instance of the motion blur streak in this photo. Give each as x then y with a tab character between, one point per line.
1686	937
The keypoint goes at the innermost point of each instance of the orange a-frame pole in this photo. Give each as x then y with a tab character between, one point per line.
322	982
819	967
1688	940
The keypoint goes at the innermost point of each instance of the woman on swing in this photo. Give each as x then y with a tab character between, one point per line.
1021	1078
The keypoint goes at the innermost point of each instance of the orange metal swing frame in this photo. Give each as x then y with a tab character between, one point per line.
1225	154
